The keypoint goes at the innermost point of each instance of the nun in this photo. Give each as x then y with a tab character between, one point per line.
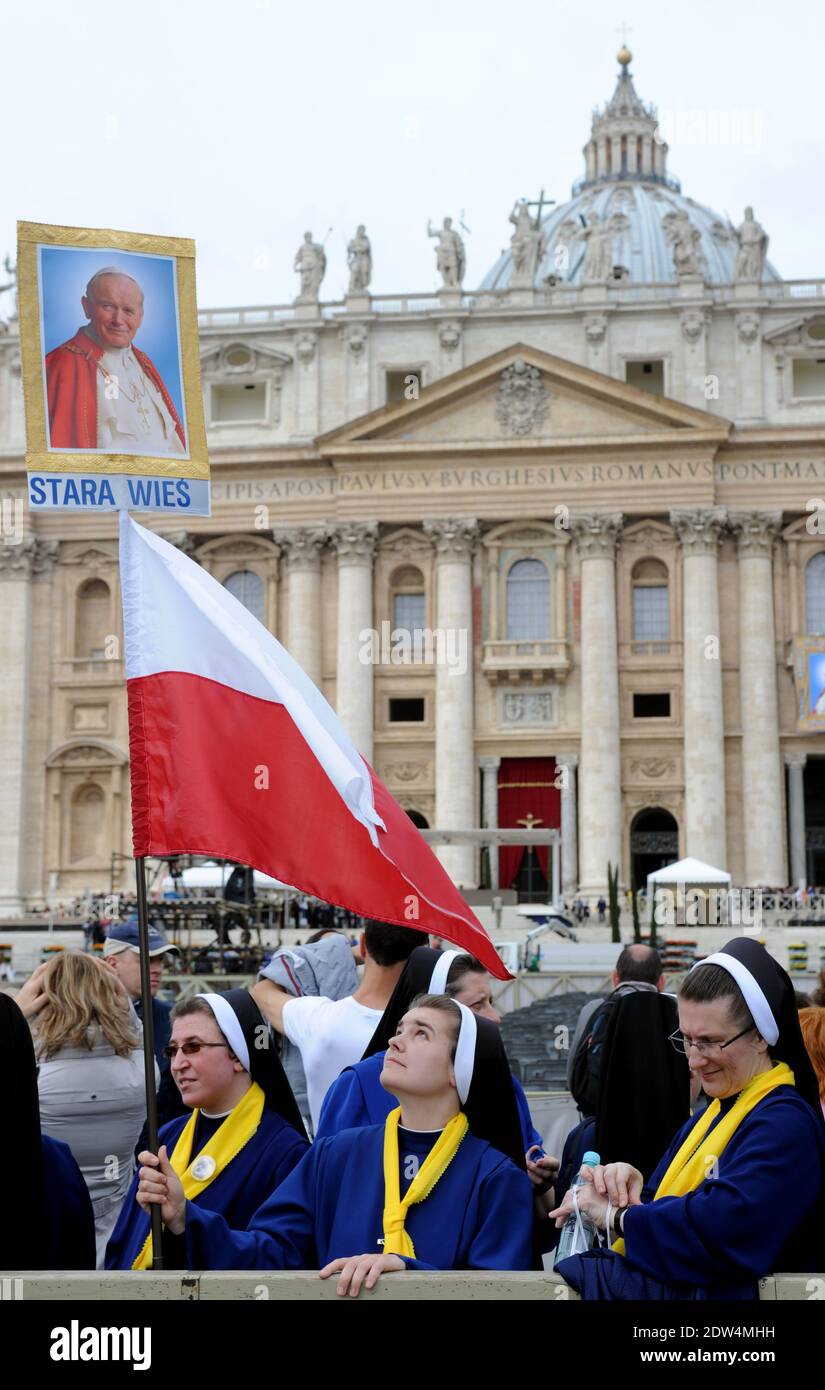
358	1097
244	1134
739	1192
439	1184
49	1224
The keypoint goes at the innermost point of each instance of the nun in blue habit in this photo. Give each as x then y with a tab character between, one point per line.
439	1184
244	1134
739	1192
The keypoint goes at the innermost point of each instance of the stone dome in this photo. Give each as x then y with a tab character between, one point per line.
626	189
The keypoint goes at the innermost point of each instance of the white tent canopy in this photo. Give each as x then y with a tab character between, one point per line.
215	877
690	871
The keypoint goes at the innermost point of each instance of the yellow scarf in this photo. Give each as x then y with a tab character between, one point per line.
435	1165
689	1167
226	1143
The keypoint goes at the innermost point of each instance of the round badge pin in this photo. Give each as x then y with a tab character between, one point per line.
203	1167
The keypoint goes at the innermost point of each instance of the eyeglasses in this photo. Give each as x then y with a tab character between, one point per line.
683	1044
189	1049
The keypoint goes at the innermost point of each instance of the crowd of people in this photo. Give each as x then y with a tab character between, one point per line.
361	1125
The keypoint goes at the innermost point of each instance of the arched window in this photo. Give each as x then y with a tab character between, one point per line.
409	600
419	820
92	613
528	601
815	594
248	588
651	608
86	831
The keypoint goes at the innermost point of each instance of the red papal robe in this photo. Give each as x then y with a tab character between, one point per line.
71	388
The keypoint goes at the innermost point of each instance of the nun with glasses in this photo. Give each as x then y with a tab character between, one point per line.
440	1183
242	1134
740	1191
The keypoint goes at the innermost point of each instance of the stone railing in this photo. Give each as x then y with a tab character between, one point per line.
305	1286
509	659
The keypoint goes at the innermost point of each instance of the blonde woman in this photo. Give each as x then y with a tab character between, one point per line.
87	1041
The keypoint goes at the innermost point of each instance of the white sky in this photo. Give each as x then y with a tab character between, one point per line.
242	123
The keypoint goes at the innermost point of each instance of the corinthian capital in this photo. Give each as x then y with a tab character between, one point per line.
354	541
454	537
596	532
27	557
698	528
301	545
755	531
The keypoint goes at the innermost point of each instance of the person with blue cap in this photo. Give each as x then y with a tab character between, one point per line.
121	952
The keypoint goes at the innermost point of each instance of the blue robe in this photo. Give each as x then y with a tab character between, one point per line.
478	1216
272	1152
357	1098
764	1212
70	1218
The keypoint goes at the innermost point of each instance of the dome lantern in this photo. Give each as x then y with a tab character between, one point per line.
623	140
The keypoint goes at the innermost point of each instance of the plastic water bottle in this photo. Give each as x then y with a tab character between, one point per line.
578	1232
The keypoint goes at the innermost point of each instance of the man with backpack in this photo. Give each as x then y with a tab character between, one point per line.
639	967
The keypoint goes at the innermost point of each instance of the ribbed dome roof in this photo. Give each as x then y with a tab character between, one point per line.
640	241
626	182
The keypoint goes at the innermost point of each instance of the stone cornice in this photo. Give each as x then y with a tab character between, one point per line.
698	528
596	532
454	538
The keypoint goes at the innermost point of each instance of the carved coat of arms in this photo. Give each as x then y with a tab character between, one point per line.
522	400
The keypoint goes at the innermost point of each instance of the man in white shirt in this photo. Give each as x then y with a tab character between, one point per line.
333	1033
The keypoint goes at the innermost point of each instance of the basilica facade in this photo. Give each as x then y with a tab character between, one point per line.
553	548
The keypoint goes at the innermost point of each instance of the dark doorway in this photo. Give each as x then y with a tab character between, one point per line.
814	784
654	843
530	882
419	820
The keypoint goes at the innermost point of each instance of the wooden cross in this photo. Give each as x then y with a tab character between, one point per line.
530	820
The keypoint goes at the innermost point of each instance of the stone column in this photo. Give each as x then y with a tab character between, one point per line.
761	763
705	832
795	763
567	763
301	546
600	814
354	542
18	563
489	798
454	705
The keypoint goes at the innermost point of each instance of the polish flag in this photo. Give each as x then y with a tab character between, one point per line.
235	754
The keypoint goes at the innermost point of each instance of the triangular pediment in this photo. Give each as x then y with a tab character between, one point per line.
522	396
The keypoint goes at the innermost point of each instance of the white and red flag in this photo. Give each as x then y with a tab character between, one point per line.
235	754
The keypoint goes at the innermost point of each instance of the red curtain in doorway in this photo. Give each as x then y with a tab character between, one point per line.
526	796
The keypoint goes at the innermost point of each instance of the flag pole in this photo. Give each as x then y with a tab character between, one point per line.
148	1048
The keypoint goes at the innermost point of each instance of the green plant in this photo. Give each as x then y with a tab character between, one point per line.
613	901
634	903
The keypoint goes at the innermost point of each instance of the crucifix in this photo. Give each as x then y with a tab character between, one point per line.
143	413
530	820
624	29
541	203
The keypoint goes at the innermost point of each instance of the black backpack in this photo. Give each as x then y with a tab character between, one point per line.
587	1063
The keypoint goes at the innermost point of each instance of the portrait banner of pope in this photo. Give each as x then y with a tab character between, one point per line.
111	375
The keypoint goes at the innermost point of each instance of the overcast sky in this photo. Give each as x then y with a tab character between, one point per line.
242	123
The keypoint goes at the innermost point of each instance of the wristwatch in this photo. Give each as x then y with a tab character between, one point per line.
618	1223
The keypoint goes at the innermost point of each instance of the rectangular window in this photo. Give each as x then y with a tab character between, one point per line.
648	376
408	613
651	618
651	706
808	376
407	711
404	385
239	404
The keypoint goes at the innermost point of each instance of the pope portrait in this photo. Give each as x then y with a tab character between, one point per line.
103	392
